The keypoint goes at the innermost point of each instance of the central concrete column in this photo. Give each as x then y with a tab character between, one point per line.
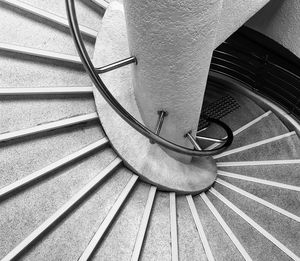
173	41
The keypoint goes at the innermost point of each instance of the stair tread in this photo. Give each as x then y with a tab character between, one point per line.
157	241
258	247
19	114
268	127
31	154
189	243
221	245
56	245
33	71
28	26
284	198
286	148
281	227
44	198
285	173
88	15
120	239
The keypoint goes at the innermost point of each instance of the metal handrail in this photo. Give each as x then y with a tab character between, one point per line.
118	108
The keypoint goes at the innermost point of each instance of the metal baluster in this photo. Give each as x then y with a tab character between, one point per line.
160	121
210	139
193	141
116	65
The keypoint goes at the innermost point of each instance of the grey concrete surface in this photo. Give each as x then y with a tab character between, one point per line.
189	242
286	148
24	71
18	114
22	213
258	247
22	158
284	198
157	242
120	240
284	229
88	13
68	240
219	242
266	128
285	173
20	28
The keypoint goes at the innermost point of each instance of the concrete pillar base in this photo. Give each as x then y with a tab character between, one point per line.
149	161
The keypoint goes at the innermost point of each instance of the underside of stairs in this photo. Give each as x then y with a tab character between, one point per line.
65	194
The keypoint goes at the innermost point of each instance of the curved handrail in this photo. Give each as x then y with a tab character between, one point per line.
118	108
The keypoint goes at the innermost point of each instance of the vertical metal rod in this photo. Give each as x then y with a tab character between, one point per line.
160	121
193	141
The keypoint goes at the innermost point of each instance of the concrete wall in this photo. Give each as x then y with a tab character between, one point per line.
280	20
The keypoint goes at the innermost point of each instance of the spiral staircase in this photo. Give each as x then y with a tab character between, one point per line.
65	194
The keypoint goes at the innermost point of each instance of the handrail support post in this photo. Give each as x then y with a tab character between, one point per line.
160	121
116	65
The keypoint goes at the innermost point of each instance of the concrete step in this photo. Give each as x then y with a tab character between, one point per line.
35	33
120	240
157	242
258	247
45	197
267	127
283	173
88	13
189	243
27	112
281	197
221	245
281	227
21	158
282	149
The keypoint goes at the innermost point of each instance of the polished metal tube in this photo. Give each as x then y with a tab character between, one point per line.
193	141
160	121
210	139
116	65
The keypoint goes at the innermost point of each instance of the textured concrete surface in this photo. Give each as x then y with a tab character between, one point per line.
157	242
220	244
258	247
286	148
17	27
25	211
268	127
280	20
234	14
120	240
30	31
288	173
24	71
189	242
67	241
88	13
19	159
173	42
284	229
286	199
25	112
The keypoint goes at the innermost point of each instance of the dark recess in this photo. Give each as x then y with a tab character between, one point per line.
263	65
